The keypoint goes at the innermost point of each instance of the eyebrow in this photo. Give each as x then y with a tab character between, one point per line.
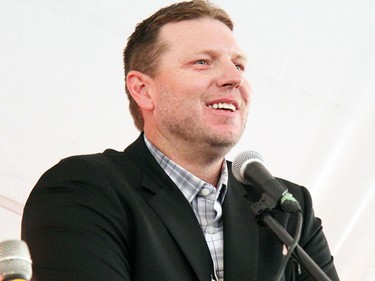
212	52
241	56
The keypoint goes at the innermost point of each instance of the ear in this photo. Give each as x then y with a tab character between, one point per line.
137	84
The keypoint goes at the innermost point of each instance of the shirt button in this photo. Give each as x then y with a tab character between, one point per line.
205	192
211	229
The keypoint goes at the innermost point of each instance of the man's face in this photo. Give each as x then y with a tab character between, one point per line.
199	92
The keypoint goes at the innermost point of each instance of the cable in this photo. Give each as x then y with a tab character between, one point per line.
296	239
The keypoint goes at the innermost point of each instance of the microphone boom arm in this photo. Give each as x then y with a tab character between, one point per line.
264	217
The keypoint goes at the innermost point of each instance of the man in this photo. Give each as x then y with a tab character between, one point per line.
168	207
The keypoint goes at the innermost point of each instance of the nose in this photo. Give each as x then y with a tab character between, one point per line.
230	77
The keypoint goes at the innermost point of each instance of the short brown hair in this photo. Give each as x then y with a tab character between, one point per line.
144	48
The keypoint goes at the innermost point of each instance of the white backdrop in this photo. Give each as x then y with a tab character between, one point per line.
312	67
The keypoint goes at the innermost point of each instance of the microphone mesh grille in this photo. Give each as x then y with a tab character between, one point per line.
242	158
15	259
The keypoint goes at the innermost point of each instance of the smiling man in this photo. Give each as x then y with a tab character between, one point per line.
197	102
168	207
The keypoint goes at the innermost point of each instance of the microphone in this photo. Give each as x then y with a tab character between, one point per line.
15	261
248	168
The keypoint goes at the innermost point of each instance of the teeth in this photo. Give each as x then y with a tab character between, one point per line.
223	105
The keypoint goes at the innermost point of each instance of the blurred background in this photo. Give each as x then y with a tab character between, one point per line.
311	65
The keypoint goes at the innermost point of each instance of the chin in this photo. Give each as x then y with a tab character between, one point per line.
225	142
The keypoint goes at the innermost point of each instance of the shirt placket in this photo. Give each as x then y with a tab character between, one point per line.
209	210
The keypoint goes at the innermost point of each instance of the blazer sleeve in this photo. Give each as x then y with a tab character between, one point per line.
313	240
75	226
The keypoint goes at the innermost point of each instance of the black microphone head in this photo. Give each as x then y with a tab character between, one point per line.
15	261
240	162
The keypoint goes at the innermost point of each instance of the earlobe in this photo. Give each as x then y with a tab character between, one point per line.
137	84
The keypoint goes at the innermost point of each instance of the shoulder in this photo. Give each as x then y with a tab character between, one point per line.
92	165
300	192
78	167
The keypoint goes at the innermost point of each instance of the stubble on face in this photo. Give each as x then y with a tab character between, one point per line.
183	125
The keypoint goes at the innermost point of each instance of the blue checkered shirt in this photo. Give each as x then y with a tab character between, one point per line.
206	201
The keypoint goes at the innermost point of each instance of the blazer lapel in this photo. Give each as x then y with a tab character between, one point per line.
173	210
241	233
176	214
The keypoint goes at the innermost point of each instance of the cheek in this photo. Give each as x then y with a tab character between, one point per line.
246	92
180	92
168	103
181	95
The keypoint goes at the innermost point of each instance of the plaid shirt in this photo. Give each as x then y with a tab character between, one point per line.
206	201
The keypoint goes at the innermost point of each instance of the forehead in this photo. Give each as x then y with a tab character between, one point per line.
199	35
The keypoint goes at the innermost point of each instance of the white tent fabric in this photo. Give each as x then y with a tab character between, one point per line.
311	65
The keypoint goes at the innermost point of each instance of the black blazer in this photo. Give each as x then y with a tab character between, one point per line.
117	216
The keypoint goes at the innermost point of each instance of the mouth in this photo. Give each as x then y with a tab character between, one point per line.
223	106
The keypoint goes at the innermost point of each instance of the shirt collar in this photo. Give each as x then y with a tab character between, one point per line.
189	184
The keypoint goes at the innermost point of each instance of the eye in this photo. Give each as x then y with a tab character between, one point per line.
240	67
201	62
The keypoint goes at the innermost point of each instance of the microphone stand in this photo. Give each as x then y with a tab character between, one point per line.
264	217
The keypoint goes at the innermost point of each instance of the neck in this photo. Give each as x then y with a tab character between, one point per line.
201	160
